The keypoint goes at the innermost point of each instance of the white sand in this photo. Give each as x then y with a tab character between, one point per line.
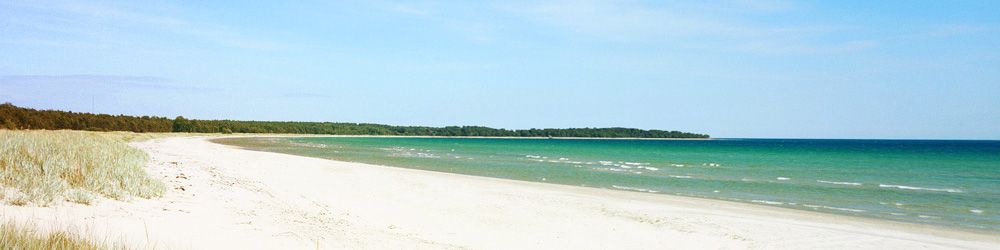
239	199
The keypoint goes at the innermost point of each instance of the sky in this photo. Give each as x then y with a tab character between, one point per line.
739	68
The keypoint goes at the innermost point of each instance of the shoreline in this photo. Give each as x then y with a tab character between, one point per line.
470	137
611	193
263	200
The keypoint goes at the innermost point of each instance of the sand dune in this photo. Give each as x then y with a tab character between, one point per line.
224	197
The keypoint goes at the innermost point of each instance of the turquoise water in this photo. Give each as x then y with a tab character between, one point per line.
950	183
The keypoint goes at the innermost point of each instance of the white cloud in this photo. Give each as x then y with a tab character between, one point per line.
104	24
729	25
118	82
778	47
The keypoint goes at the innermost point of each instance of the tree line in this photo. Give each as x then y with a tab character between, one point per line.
14	117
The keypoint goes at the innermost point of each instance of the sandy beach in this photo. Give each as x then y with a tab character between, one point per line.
225	197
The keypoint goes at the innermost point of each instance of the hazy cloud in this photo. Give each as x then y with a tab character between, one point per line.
95	81
102	23
702	25
307	95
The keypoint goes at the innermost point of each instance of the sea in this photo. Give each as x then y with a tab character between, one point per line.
940	182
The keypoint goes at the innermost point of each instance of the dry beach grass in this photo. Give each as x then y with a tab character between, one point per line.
13	236
43	167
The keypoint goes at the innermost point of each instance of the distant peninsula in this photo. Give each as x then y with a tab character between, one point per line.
14	117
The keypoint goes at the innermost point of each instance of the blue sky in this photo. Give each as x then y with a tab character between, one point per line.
741	68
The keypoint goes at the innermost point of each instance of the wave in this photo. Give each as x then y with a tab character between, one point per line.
411	152
839	183
783	178
634	189
768	202
308	145
681	176
949	190
416	155
835	208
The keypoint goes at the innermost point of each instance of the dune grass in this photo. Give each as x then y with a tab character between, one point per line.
44	167
17	237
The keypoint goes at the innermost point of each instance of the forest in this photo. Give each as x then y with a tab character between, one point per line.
14	117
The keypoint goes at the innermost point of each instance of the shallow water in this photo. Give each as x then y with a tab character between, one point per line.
950	183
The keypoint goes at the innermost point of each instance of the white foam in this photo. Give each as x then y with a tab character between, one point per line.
845	209
634	189
533	156
949	190
976	211
563	159
768	202
311	145
839	183
651	168
411	152
681	176
927	216
783	178
834	208
677	165
897	214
